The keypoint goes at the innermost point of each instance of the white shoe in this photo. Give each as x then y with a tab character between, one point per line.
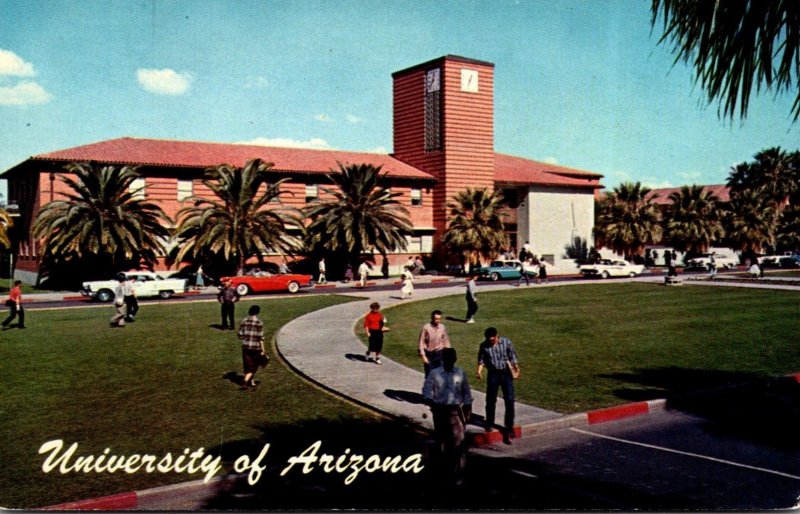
470	320
378	361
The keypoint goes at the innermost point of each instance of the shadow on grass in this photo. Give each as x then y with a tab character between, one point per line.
749	405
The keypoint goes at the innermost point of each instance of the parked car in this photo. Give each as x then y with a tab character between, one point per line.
498	269
605	268
773	261
146	284
790	262
267	282
722	260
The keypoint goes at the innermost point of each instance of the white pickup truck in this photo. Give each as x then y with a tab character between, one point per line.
146	284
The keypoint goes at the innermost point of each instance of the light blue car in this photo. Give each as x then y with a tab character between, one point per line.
501	269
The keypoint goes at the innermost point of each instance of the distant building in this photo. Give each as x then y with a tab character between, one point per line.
443	143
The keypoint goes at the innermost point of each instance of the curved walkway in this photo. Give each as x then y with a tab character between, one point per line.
323	347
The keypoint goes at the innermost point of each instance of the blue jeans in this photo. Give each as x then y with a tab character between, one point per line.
499	379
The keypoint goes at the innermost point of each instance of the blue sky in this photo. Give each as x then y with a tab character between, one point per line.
578	83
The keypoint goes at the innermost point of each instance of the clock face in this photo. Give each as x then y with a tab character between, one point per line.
469	80
432	80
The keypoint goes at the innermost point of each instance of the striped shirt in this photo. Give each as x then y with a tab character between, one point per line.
433	338
251	332
447	387
497	357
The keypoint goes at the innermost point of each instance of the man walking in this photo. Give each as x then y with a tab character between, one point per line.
14	303
120	310
472	299
251	333
448	394
432	340
227	298
497	355
363	273
321	279
131	303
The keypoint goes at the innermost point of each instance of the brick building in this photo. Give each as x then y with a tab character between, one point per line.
443	143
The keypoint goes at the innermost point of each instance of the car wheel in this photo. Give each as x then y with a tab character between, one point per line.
604	274
495	276
105	295
243	289
164	294
632	274
294	287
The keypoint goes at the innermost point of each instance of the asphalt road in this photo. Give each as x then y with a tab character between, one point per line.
669	460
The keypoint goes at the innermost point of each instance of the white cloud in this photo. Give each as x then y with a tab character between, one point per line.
163	82
654	183
550	160
313	143
352	118
256	83
324	118
24	93
378	149
13	65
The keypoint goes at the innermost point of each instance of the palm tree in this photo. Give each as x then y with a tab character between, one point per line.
750	221
475	225
5	223
361	214
236	224
774	173
788	233
735	45
694	220
103	223
627	220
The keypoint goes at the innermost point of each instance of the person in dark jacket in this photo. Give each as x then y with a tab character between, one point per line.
227	298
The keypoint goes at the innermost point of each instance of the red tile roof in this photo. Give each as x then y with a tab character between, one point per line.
192	154
516	170
721	191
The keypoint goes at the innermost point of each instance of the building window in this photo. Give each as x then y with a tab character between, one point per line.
137	188
184	189
311	192
414	244
433	110
416	197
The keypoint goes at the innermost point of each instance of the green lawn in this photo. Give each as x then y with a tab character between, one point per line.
158	385
591	346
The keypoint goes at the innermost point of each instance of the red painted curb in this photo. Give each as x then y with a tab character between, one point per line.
120	501
324	286
439	280
619	412
496	436
75	298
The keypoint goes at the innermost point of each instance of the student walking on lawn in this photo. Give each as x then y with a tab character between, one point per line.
432	340
227	298
120	309
472	299
251	333
14	303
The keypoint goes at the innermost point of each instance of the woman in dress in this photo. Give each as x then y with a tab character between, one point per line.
408	284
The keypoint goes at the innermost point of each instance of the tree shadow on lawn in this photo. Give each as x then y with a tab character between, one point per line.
742	404
321	490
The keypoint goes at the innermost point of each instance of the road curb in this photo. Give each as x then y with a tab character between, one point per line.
148	498
574	420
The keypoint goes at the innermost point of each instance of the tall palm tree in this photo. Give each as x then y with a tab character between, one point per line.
735	45
237	223
788	233
103	222
750	221
627	220
693	220
360	214
774	173
5	223
475	224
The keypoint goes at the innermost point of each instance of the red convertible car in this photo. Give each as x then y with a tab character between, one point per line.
291	282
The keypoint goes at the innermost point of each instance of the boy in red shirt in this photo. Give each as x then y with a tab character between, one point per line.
14	302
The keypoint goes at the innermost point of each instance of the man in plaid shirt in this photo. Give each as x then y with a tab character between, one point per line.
496	354
251	333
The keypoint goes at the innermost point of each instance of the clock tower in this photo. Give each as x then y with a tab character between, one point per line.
444	125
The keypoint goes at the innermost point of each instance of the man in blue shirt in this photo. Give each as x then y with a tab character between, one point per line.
497	355
448	394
